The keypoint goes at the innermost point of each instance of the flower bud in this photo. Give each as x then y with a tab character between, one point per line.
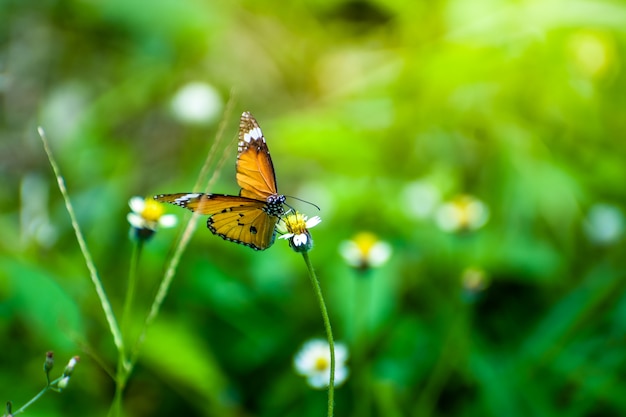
49	362
62	384
70	366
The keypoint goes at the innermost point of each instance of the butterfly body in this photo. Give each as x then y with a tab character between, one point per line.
249	218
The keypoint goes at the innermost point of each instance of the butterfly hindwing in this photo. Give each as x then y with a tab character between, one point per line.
255	171
250	227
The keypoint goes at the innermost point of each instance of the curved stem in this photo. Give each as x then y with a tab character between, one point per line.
93	273
35	398
329	332
48	387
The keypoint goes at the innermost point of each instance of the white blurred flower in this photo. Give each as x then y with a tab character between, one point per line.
464	213
604	224
365	251
313	362
35	222
421	198
295	227
146	216
196	103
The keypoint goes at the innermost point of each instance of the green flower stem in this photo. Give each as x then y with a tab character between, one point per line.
120	384
47	388
93	273
329	332
35	398
123	366
168	277
130	291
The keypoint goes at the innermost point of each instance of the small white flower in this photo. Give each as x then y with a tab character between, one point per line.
604	224
295	227
421	198
313	362
464	213
147	215
196	103
365	251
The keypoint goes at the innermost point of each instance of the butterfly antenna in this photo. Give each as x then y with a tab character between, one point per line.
290	209
304	201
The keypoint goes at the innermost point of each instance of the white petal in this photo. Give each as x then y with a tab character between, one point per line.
168	220
137	204
379	254
319	380
313	221
281	227
300	239
351	253
285	236
341	354
136	220
448	217
478	214
341	374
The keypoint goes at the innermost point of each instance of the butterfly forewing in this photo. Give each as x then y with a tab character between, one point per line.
208	204
255	171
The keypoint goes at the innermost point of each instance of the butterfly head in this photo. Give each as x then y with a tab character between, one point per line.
274	206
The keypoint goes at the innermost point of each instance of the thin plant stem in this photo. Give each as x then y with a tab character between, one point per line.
120	384
123	367
47	388
93	273
329	332
170	271
130	290
35	398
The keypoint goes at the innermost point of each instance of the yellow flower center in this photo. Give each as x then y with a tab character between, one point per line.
296	224
153	211
365	241
321	364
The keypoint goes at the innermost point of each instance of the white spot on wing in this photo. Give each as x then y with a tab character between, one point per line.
186	198
254	133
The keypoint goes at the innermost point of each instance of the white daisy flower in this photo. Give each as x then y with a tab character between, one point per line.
295	227
196	103
604	224
146	216
313	362
464	213
365	251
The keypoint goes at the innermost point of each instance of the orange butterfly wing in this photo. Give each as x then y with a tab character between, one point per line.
255	171
236	219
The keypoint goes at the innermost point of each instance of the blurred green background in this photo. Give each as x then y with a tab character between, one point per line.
380	112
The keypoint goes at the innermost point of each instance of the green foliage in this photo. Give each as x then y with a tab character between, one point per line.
366	105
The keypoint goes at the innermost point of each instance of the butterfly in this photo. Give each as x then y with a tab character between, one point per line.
249	218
